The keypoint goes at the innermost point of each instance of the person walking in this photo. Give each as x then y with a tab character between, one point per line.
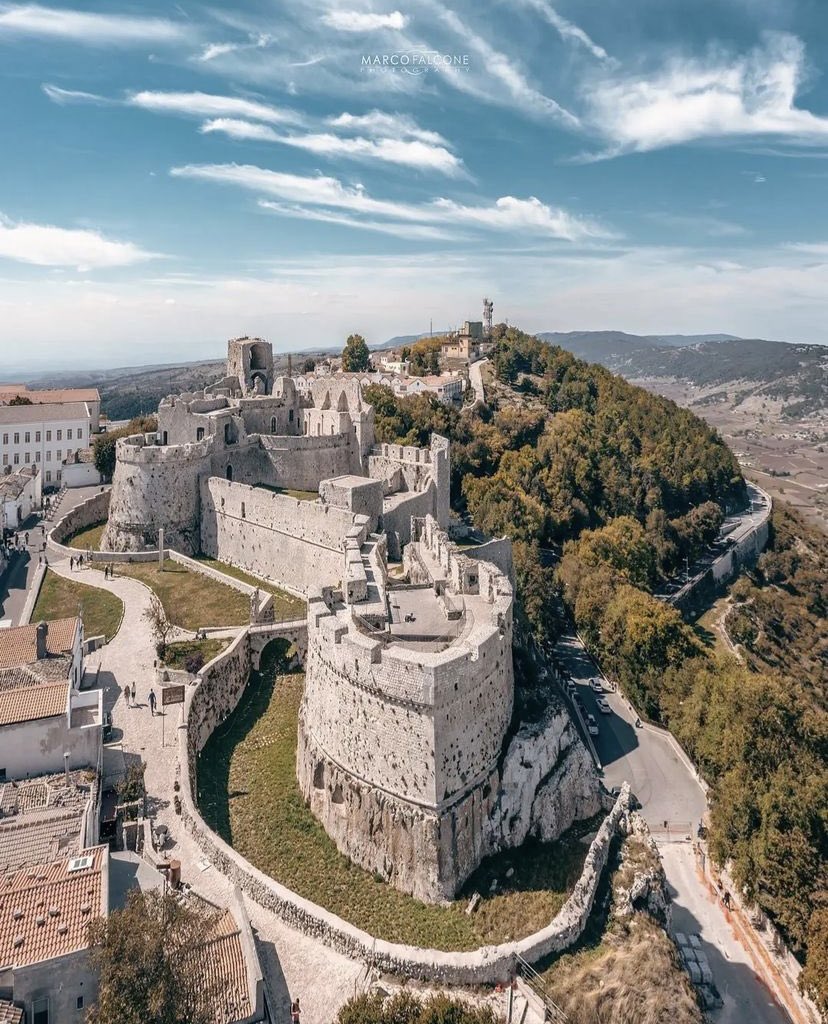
295	1011
152	702
128	696
71	563
133	695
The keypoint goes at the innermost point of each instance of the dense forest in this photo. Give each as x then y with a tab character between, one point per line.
618	486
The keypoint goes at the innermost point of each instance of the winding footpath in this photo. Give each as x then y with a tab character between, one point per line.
293	964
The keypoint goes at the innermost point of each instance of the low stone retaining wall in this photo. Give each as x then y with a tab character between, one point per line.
33	595
88	513
217	691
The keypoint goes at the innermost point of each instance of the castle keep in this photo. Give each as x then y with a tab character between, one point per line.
409	681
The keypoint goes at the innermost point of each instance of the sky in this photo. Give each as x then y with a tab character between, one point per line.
176	174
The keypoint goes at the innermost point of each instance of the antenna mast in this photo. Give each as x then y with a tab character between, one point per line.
488	310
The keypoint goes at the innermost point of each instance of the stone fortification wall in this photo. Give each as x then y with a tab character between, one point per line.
301	463
399	746
300	543
398	511
88	513
487	965
156	486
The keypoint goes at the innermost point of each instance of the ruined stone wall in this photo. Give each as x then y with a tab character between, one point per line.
153	487
300	543
301	463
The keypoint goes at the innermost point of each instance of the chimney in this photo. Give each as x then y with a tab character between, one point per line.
42	631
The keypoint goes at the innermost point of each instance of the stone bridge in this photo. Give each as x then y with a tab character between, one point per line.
295	630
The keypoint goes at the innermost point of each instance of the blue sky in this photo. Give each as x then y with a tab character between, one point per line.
176	174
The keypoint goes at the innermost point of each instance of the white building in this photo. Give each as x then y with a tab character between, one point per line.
20	493
51	427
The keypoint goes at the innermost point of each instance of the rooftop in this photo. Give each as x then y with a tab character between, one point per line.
223	968
42	819
45	908
29	703
40	412
47	396
18	646
9	1013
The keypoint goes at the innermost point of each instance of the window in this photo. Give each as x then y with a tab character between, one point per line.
59	454
69	434
48	454
37	435
60	435
5	438
16	438
27	437
290	416
48	476
164	437
79	1003
27	460
40	1011
229	473
5	459
48	435
37	456
16	459
59	474
273	424
200	434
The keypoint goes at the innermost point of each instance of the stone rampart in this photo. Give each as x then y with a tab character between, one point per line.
302	462
300	543
88	513
487	965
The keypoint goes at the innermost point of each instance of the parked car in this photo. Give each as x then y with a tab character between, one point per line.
603	706
595	684
592	725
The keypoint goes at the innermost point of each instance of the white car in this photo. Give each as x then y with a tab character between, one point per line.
592	725
603	706
595	684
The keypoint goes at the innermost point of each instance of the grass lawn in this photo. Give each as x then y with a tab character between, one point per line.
190	600
248	793
88	539
60	598
178	653
286	606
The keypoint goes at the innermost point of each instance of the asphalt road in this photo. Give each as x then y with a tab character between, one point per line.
672	803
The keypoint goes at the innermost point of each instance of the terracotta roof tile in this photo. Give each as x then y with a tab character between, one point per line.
49	396
45	909
9	1013
18	646
222	965
28	703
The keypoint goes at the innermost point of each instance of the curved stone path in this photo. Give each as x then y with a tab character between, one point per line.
293	963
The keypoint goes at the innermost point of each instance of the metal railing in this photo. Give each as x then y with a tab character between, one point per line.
552	1012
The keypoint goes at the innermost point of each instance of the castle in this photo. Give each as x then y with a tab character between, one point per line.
409	681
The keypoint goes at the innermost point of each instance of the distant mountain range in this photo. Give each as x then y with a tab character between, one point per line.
796	374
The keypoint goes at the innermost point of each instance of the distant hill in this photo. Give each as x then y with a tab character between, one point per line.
406	339
598	346
796	374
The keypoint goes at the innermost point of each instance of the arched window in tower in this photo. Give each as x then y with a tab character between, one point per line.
229	472
290	416
164	437
272	424
199	433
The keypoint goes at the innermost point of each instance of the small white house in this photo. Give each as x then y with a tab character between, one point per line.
20	494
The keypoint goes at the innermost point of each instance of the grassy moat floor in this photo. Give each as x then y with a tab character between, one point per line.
60	598
248	793
285	606
87	539
190	599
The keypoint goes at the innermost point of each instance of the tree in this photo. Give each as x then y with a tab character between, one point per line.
104	445
406	1008
21	400
160	626
355	355
309	365
147	956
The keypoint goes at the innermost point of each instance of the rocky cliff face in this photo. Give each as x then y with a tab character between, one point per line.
548	781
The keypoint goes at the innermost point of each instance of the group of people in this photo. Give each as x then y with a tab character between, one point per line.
130	696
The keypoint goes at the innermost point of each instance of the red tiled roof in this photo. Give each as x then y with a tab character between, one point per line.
28	703
49	396
223	968
18	646
45	909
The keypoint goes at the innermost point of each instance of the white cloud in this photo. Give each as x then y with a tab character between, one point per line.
566	29
48	246
418	232
360	21
718	97
87	27
202	104
699	223
506	214
242	130
503	68
64	96
377	122
213	50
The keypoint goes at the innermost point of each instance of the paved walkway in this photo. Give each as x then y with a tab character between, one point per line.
294	964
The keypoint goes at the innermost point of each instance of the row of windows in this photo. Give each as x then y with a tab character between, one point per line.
27	435
27	461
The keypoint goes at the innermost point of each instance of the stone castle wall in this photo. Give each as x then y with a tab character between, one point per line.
300	543
301	463
156	487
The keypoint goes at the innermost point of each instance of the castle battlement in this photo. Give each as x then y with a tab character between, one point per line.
142	449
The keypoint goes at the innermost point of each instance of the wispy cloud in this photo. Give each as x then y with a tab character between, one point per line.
202	104
698	223
49	246
505	214
715	98
504	69
64	96
88	27
213	50
362	21
377	122
417	232
405	152
566	29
